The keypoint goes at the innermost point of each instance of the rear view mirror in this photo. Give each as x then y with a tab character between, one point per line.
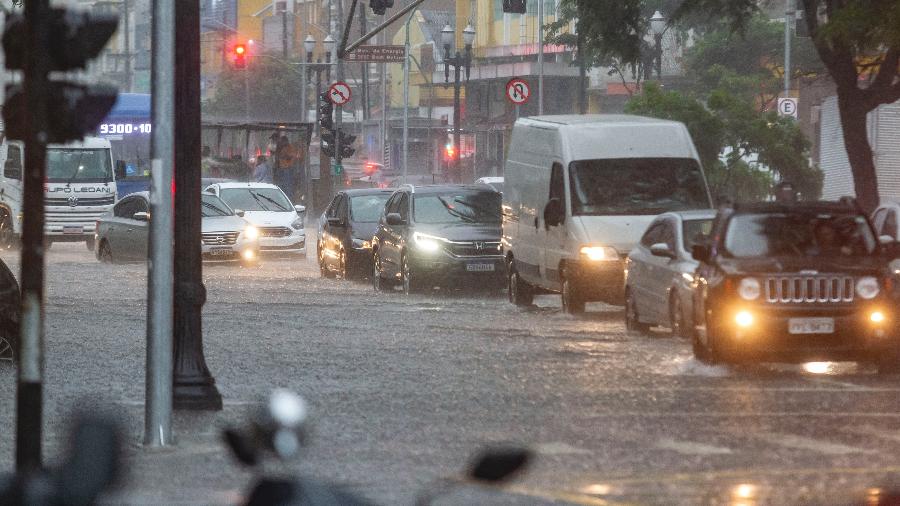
554	214
142	216
120	169
12	170
394	219
700	252
499	464
662	249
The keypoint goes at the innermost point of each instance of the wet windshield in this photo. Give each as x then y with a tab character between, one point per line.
481	207
367	208
210	206
816	235
636	186
256	199
78	165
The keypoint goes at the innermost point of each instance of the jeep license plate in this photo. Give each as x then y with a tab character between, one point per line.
811	325
480	267
220	252
73	230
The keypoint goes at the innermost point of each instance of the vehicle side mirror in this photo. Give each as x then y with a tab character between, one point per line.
120	170
499	464
300	209
394	219
12	171
554	214
336	222
239	212
142	216
700	252
662	249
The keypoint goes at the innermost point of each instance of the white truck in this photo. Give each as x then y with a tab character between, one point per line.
80	186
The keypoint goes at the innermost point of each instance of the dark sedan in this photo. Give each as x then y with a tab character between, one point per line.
9	313
346	229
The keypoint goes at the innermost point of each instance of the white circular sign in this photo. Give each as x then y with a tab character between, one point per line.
339	93
787	107
518	91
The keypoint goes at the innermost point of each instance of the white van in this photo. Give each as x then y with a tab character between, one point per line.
580	191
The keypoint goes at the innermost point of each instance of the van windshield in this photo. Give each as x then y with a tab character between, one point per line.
636	186
65	165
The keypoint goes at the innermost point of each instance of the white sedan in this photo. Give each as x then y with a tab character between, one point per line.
265	206
660	270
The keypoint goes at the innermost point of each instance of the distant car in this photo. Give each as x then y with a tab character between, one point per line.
439	235
794	282
346	229
494	182
122	234
659	272
280	223
9	314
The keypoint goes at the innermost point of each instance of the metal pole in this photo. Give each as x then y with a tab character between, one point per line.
384	112
304	106
456	119
246	94
379	29
540	29
406	99
364	66
658	56
29	393
339	109
158	398
127	21
788	21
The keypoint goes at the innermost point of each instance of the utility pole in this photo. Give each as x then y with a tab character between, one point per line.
194	386
788	21
158	397
129	74
339	110
540	29
366	109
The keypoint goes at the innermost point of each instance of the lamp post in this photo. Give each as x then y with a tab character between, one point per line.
658	27
458	61
318	67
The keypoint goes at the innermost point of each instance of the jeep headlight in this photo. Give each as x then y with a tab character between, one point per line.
297	224
867	287
749	289
599	253
251	233
427	243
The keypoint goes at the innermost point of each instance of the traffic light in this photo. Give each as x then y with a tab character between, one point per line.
326	110
379	6
347	141
450	152
326	142
74	39
240	56
514	6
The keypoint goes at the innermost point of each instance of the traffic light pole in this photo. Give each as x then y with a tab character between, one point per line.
339	109
29	394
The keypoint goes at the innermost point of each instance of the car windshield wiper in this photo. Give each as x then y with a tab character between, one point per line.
270	199
478	209
256	198
463	216
218	209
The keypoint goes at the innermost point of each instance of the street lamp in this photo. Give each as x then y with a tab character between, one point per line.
658	27
457	61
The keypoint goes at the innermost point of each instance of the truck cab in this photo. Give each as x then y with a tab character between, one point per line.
79	187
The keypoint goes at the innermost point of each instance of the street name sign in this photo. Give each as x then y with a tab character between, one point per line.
377	54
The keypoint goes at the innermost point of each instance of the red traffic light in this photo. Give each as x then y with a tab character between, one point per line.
240	56
240	49
450	152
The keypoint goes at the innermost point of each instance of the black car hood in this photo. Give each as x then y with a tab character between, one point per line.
364	231
473	232
850	265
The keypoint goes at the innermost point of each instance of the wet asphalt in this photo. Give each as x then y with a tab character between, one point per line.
403	390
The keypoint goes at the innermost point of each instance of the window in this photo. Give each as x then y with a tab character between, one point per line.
367	208
14	157
341	211
393	205
652	235
798	235
695	232
140	206
210	205
332	208
557	183
403	208
79	165
256	199
125	208
890	224
667	234
482	206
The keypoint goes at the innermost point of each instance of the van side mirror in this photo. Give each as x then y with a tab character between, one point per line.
120	170
394	219
554	214
662	249
700	252
12	170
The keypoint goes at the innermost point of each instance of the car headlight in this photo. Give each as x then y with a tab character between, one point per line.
361	244
297	224
251	233
749	289
867	287
427	243
599	253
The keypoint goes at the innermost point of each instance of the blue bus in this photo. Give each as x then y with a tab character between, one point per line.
128	127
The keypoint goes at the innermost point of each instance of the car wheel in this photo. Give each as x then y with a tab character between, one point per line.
378	282
678	320
89	244
410	281
713	351
7	351
632	321
572	301
324	271
7	235
344	266
520	292
699	349
105	253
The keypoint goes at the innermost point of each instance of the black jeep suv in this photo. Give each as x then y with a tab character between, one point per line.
439	235
795	282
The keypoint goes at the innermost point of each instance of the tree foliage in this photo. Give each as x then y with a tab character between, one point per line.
271	87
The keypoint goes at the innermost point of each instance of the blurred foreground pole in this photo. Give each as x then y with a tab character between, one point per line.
29	396
194	386
158	397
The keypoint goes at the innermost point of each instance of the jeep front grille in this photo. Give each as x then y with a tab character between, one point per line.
810	289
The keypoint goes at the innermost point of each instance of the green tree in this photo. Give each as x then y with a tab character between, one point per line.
268	89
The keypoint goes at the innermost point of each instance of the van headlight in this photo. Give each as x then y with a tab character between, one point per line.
427	243
749	289
251	233
599	253
867	287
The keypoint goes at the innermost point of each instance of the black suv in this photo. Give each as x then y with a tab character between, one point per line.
794	282
439	235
